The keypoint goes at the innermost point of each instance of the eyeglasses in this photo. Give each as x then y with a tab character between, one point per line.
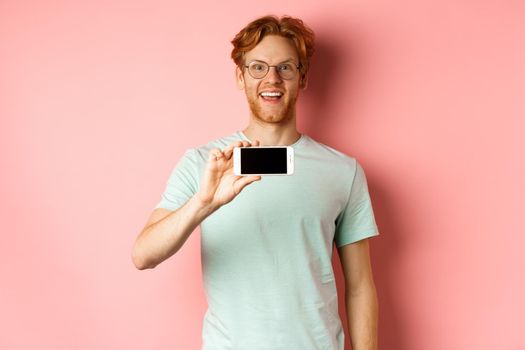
259	69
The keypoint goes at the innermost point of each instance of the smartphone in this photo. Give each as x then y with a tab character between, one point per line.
263	160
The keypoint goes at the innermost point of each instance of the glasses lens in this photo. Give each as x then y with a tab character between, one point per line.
287	70
258	69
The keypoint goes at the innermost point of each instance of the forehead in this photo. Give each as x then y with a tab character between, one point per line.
273	49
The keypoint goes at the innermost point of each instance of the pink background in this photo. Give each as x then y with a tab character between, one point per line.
99	99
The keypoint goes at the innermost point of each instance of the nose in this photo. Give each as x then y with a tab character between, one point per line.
273	76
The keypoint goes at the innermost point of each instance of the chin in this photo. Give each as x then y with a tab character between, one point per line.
283	116
279	115
272	118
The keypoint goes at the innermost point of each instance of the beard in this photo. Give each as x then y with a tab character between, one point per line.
285	113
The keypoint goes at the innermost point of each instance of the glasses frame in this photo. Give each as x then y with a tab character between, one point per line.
297	66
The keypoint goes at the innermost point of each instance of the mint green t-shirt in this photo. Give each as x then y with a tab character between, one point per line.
266	255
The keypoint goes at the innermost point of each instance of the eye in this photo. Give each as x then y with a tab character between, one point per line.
285	67
257	67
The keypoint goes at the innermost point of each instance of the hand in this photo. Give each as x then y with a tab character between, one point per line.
219	184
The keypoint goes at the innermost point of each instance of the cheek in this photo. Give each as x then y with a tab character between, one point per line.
293	90
251	88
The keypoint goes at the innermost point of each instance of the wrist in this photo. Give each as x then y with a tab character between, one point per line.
203	205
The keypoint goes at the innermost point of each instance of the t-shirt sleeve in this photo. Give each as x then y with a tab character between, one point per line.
356	221
182	183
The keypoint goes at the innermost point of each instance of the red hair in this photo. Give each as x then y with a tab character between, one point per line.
286	26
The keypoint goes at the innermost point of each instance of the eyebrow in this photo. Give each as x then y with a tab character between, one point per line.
285	61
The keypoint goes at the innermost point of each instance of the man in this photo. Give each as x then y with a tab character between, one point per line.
267	243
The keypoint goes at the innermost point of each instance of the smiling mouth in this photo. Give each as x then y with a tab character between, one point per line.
271	95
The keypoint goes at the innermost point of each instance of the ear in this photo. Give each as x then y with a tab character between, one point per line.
239	77
303	82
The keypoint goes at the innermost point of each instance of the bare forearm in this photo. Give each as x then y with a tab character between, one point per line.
362	313
164	238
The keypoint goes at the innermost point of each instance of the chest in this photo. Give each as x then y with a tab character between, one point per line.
310	196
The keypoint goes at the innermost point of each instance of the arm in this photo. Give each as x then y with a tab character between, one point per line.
360	295
166	231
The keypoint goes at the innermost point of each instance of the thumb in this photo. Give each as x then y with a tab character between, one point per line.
243	181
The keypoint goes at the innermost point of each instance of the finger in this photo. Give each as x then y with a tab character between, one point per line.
232	145
215	155
228	151
210	175
256	143
243	181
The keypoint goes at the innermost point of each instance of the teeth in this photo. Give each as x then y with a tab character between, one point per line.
271	94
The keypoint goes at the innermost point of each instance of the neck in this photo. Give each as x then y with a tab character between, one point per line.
270	134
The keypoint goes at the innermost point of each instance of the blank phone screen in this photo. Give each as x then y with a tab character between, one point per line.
263	160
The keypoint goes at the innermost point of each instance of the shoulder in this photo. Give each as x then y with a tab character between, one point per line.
201	152
329	154
193	160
